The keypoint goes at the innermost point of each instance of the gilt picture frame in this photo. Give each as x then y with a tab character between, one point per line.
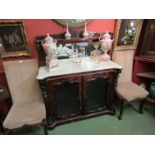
72	22
13	40
127	33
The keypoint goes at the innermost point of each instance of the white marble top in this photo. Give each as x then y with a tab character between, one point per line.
68	66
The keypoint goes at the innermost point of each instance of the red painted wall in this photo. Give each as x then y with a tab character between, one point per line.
36	27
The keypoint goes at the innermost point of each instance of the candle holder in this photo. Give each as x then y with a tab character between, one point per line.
67	34
85	33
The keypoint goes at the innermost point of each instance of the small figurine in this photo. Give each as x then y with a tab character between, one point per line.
96	52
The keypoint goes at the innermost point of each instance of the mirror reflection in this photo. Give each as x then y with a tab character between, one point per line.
128	32
80	49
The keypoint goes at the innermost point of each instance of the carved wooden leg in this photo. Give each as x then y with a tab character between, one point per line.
121	110
141	106
45	127
8	132
1	126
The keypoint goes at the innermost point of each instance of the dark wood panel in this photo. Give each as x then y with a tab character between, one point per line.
77	96
65	94
146	44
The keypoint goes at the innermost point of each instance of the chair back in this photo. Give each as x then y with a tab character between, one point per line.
22	82
124	58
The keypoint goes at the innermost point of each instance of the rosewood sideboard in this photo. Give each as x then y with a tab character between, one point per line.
75	91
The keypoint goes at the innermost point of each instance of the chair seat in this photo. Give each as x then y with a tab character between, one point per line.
25	114
131	91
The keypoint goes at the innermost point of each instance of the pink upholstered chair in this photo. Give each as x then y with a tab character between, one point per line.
126	90
28	106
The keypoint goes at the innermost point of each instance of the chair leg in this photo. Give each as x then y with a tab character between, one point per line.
8	132
45	127
1	125
121	110
141	107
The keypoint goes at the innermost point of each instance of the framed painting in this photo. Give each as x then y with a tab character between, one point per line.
127	33
72	22
13	41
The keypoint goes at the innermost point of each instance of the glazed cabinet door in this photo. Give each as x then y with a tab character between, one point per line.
64	95
96	91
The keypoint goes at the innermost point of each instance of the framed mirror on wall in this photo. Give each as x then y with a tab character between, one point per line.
127	33
73	22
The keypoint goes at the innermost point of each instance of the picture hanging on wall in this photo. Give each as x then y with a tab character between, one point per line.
13	40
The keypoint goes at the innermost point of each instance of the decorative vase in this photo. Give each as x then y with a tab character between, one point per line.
67	34
50	46
85	33
104	57
106	43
